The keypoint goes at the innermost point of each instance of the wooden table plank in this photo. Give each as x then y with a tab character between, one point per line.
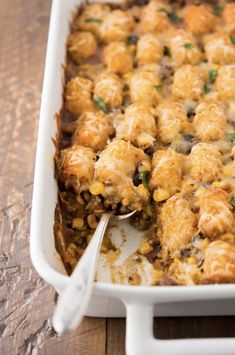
27	302
194	327
116	336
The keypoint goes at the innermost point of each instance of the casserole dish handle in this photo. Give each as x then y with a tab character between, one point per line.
141	341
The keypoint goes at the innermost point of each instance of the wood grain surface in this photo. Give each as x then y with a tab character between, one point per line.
27	302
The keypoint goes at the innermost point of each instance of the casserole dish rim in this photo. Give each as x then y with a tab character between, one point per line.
35	250
139	300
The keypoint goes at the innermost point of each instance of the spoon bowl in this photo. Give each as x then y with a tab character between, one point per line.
73	302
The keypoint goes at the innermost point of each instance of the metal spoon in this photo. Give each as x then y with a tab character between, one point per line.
73	301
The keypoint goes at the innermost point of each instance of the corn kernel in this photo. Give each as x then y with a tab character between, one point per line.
200	191
228	237
205	243
188	186
97	188
224	185
125	201
80	200
227	170
216	184
158	274
89	237
142	189
127	76
191	261
145	248
92	221
149	211
86	196
72	250
160	195
78	223
104	249
145	166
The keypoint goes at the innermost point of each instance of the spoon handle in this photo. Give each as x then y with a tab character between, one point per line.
73	301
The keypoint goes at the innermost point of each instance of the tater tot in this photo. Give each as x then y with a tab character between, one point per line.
219	264
81	45
188	83
118	58
109	87
225	82
177	225
154	19
205	162
199	19
91	17
138	125
116	175
215	216
210	121
93	130
149	50
147	124
184	49
219	49
143	88
229	17
167	171
116	26
78	96
172	120
183	273
77	167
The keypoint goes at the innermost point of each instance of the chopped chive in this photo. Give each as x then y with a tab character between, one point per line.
99	101
163	10
217	10
173	17
158	87
188	45
233	39
94	20
213	75
133	39
206	89
230	137
232	201
144	177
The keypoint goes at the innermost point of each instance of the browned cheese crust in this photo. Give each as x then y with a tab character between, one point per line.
148	124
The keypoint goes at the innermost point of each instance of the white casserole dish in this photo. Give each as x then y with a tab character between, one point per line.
110	300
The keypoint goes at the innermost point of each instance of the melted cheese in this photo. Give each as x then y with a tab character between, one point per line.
164	144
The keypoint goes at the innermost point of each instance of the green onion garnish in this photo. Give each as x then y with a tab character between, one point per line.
232	201
158	87
232	40
206	89
213	75
188	45
173	17
144	177
94	20
99	101
230	137
217	10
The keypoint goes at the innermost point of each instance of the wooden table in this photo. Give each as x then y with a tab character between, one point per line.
27	302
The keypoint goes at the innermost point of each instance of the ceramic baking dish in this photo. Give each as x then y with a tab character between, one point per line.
138	303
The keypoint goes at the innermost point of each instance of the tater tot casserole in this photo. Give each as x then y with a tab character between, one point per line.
148	124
